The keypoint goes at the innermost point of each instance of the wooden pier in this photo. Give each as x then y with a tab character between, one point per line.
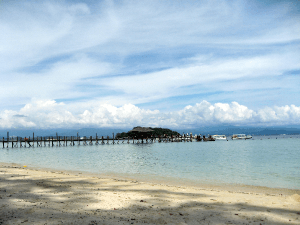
59	141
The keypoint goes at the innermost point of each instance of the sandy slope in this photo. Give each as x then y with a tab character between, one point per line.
31	196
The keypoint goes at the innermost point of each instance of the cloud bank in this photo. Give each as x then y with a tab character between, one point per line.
50	114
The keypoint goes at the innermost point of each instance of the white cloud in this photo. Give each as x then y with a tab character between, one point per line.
279	115
108	115
67	79
172	82
50	114
205	113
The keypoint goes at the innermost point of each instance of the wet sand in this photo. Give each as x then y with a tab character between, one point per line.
38	196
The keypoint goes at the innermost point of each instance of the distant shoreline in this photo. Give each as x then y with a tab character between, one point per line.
227	130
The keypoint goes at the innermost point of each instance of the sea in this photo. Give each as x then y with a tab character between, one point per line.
267	161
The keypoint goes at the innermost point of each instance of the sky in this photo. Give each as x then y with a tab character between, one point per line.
175	64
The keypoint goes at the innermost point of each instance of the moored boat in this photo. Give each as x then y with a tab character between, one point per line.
219	137
240	137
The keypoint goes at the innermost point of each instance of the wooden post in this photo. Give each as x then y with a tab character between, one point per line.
12	142
113	138
3	142
102	140
20	142
29	141
7	139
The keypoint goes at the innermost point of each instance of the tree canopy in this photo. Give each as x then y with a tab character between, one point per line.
147	132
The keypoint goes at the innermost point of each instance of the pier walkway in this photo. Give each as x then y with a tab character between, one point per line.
20	142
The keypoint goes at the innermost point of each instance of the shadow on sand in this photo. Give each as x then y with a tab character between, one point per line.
76	200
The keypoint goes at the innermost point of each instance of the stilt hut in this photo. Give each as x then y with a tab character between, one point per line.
141	132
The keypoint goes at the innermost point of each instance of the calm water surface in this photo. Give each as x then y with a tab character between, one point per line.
262	161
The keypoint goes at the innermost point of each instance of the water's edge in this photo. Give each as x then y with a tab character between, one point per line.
237	188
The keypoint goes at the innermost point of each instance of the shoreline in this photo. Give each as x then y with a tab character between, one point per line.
171	181
46	196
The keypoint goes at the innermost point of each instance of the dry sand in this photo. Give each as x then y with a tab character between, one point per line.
35	196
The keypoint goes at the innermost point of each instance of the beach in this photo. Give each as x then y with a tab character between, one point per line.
39	196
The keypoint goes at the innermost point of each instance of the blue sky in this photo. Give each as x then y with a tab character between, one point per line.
149	63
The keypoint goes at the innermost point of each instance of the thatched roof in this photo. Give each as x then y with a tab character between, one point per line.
141	129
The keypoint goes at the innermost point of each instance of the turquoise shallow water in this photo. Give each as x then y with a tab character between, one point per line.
266	162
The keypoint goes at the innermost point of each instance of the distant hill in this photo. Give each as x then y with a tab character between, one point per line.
61	132
229	130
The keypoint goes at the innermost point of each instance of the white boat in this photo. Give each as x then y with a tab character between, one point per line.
218	137
240	137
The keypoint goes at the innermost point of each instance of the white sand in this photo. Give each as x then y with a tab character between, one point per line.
32	196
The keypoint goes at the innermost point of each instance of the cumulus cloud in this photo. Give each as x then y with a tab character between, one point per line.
50	114
205	113
279	115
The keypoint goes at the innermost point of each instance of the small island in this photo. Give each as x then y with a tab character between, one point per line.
147	132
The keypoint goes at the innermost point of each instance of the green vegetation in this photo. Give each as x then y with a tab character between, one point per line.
164	131
139	132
